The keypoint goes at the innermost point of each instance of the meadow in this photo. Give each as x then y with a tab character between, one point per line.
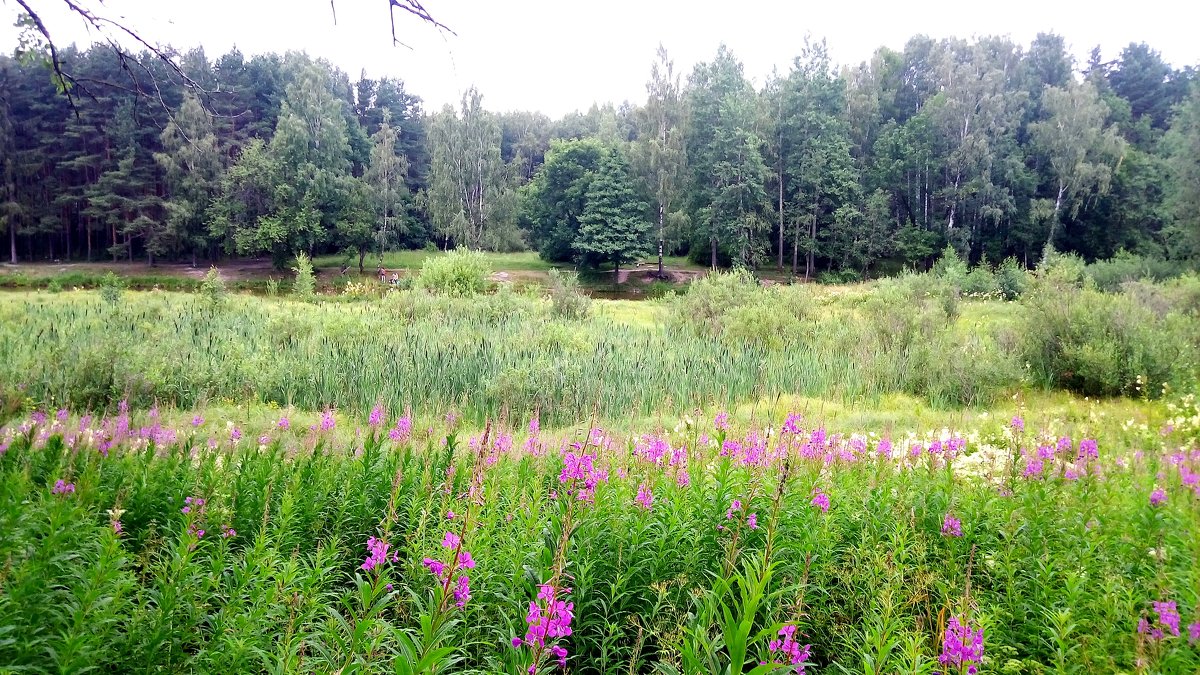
936	473
134	543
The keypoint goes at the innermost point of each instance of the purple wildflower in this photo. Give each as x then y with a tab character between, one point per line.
377	554
961	646
1194	632
376	417
327	421
235	434
549	617
62	487
951	526
228	532
1088	449
462	591
645	498
62	415
721	421
1017	424
752	521
1168	616
283	423
735	505
197	420
1158	497
402	430
821	501
117	527
451	540
437	567
790	649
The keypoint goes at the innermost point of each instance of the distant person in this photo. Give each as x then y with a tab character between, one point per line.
395	279
382	276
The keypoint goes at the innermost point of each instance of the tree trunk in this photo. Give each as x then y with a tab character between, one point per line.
12	241
661	236
713	241
193	258
362	254
1054	221
616	273
810	257
781	226
796	248
114	235
88	225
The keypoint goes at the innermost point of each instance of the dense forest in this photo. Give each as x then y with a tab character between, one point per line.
988	146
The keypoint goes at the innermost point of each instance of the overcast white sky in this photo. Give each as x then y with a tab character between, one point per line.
561	55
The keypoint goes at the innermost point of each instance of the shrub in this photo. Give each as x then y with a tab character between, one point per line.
460	273
54	285
305	286
708	299
110	288
981	281
1103	344
1011	279
1061	270
272	287
213	287
950	267
1111	274
567	299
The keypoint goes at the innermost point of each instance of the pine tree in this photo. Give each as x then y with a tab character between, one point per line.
613	227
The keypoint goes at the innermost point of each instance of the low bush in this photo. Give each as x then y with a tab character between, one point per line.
460	273
567	299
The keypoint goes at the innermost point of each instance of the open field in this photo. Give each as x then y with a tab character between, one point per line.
876	478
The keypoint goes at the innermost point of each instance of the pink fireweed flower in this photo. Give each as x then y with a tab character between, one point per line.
721	421
821	501
951	526
436	567
961	646
1033	468
1158	497
535	425
752	521
451	540
264	439
117	527
377	554
735	505
193	504
465	561
1168	617
1017	424
283	423
235	434
197	421
376	417
789	649
1088	449
683	479
450	515
228	532
884	448
62	415
1194	632
549	617
62	487
462	591
644	498
791	424
402	430
327	420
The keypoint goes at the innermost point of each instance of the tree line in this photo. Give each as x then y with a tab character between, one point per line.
994	148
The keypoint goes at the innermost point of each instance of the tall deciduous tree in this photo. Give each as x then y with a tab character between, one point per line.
661	146
1080	149
470	196
724	152
389	192
1183	196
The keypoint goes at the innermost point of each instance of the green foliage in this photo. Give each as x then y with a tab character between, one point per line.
1011	279
272	287
276	581
305	285
567	300
460	273
1106	345
213	287
111	287
613	226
